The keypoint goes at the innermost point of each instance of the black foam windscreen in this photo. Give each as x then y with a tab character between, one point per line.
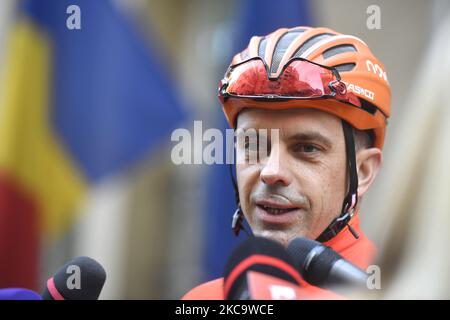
313	269
299	248
257	247
320	267
79	279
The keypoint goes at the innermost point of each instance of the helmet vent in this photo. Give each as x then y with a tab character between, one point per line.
310	42
345	67
338	50
368	106
262	48
281	47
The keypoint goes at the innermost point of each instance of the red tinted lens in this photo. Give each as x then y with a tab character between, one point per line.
300	79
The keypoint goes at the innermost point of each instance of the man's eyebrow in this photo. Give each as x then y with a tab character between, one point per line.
311	136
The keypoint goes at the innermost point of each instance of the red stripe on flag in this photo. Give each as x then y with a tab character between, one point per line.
19	236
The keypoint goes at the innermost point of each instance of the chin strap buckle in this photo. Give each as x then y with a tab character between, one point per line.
237	222
337	225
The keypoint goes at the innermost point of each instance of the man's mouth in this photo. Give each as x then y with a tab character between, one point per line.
276	210
276	213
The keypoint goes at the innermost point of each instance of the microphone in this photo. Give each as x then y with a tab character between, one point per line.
260	269
79	279
323	267
18	294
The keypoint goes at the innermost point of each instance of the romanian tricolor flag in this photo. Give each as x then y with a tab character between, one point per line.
76	105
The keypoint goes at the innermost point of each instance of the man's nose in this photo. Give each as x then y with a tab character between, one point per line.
275	169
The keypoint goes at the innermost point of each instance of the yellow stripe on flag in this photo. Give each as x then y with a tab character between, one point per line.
29	149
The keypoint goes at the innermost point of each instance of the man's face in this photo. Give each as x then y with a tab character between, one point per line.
298	188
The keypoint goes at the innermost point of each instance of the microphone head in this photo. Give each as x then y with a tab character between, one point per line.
261	255
18	294
312	259
79	279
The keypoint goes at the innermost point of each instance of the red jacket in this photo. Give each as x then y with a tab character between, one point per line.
359	251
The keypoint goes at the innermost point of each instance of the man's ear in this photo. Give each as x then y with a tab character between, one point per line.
368	164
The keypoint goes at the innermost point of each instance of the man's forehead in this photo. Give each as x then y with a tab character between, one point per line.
289	121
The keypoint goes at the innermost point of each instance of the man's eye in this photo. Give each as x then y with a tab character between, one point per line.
306	148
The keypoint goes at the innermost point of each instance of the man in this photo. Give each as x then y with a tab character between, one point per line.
328	97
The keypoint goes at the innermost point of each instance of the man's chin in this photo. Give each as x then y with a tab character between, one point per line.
280	236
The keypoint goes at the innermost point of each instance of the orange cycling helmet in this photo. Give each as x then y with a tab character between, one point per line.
361	72
318	68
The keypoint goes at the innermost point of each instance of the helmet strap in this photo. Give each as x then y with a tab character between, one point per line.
237	223
351	199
